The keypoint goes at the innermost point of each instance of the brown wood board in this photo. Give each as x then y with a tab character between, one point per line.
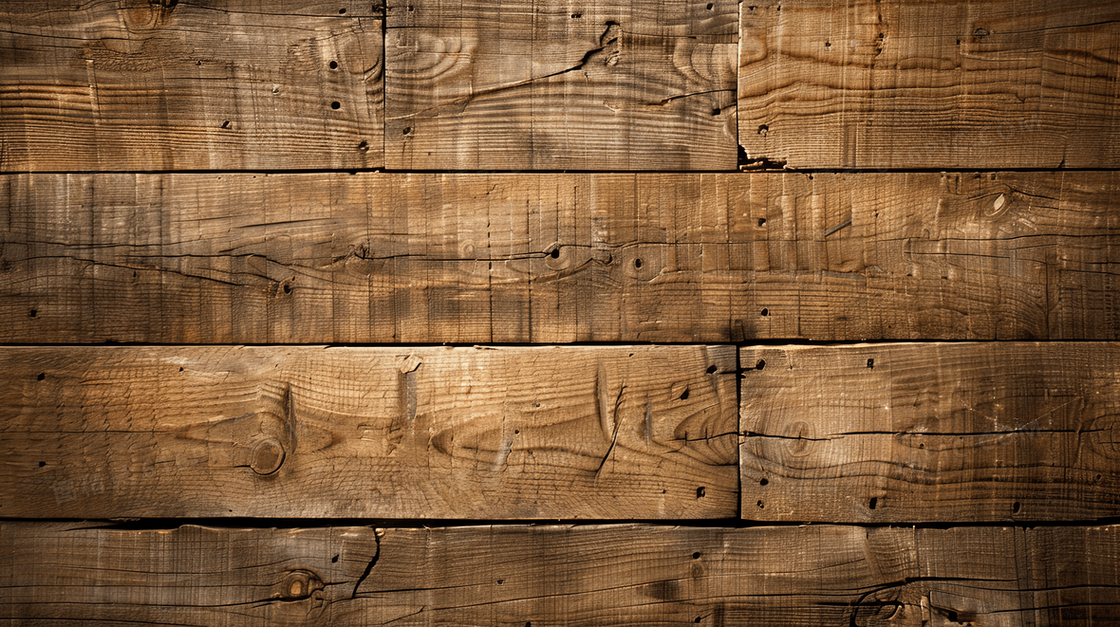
208	85
961	432
640	432
482	258
618	85
548	575
913	84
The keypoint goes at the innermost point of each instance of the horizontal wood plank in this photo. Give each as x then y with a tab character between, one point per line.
138	85
642	432
931	432
599	575
913	84
614	85
482	258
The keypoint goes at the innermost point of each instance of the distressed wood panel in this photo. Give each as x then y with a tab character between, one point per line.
931	432
137	85
480	258
597	575
636	432
912	84
618	85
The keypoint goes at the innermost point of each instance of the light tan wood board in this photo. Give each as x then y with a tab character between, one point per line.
483	258
167	85
597	575
987	84
640	432
516	85
950	433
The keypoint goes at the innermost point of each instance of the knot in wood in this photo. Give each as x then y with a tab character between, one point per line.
298	585
267	457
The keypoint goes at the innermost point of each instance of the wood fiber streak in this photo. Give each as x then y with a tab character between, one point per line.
137	85
481	258
593	575
913	84
931	432
313	432
618	85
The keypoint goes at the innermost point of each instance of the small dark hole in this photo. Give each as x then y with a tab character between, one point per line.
33	313
697	620
922	445
342	11
761	221
334	65
637	263
364	146
696	555
528	623
1099	476
760	505
516	431
765	312
335	105
760	365
1015	507
407	130
763	481
501	581
576	16
225	124
712	369
870	363
717	111
763	129
710	5
828	44
287	288
180	368
874	502
684	395
555	254
334	560
41	464
42	375
700	492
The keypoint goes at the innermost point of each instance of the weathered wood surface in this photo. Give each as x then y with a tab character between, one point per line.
638	432
137	85
597	575
616	85
914	84
477	258
931	432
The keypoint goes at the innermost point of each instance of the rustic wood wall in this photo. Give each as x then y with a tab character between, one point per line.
780	312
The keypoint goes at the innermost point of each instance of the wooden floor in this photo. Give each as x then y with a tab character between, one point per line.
525	313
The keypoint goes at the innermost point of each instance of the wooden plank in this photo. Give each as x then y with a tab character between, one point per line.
137	85
931	432
986	84
619	84
583	575
638	432
482	258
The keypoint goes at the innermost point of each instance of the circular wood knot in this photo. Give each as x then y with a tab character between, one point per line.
299	584
268	456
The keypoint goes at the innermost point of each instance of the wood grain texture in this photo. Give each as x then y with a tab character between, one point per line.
481	258
913	84
617	85
931	432
637	432
167	85
549	575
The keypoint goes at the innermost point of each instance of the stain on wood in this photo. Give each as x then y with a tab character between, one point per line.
637	432
930	432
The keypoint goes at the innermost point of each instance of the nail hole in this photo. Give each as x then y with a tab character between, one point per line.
760	505
717	111
501	581
761	221
828	44
41	464
700	492
1099	476
870	363
684	395
637	263
516	431
342	11
697	620
287	288
710	5
873	503
225	124
712	369
363	146
763	129
407	130
335	105
555	254
765	312
922	445
42	375
576	16
760	365
334	65
33	313
180	368
1015	507
763	481
334	560
696	555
